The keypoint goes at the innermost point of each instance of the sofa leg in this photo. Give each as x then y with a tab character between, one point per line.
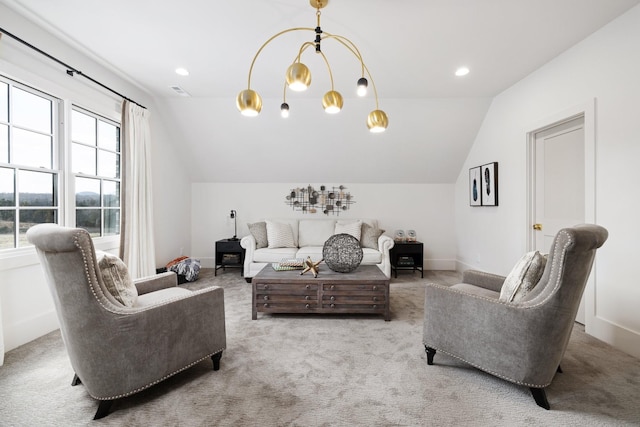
247	279
540	397
216	361
103	409
430	353
76	380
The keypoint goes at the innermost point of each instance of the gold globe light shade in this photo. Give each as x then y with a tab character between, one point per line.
249	103
298	77
377	121
332	102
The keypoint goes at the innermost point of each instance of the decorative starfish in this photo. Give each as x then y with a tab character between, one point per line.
311	266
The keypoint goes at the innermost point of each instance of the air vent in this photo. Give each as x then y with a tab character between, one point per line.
179	91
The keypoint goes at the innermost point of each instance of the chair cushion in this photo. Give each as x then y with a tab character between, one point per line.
369	236
116	278
352	227
523	277
259	232
279	235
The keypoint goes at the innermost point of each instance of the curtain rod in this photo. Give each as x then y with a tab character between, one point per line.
70	70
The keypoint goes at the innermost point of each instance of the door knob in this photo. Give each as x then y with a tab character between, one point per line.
537	227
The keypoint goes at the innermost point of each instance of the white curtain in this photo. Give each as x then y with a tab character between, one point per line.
136	217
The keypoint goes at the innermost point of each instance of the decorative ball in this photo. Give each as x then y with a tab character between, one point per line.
342	253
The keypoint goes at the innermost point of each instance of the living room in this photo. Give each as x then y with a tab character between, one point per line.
201	172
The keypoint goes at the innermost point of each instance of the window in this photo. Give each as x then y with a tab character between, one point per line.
29	174
95	164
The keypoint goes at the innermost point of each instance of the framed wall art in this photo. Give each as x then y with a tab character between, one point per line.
489	187
475	196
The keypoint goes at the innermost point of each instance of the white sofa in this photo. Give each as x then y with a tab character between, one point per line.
309	236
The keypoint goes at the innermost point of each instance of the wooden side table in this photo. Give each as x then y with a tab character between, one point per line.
407	256
229	254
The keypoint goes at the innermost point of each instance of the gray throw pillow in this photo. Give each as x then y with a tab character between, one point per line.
523	277
117	280
369	236
259	232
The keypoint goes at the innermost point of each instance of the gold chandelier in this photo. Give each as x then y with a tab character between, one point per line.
298	77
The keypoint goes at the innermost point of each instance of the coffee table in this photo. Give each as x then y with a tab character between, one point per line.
364	290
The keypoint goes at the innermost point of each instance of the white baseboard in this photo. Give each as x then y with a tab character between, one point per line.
28	330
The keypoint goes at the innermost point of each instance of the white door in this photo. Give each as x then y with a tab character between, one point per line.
559	183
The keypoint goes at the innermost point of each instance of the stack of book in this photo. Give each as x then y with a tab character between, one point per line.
288	264
405	261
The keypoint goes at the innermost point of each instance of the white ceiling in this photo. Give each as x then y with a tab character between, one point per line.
411	47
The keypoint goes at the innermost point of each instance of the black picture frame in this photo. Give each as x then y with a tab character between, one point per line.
489	180
475	184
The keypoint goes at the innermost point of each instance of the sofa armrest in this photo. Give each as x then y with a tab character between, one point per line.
483	280
248	243
155	283
385	243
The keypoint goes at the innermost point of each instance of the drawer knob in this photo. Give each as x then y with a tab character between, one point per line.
266	305
307	306
375	288
266	297
307	297
332	298
332	287
308	286
375	305
375	298
333	306
266	286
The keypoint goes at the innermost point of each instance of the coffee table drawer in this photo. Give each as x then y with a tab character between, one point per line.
354	288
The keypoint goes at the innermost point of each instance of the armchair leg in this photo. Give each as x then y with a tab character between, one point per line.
559	369
216	360
103	409
430	353
540	397
76	380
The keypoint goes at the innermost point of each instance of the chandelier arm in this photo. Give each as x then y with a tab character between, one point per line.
326	61
269	41
352	47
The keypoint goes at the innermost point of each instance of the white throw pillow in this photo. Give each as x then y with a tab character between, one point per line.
279	235
353	228
523	277
116	278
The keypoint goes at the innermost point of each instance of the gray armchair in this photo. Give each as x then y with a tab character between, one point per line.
117	350
522	342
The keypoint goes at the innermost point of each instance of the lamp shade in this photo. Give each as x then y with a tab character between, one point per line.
249	103
377	121
298	77
332	102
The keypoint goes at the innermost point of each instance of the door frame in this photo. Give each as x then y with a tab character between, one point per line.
587	110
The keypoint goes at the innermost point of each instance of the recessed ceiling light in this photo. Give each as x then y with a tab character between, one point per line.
462	71
182	71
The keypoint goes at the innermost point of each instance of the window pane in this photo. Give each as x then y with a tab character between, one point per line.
83	159
7	229
108	164
111	194
36	188
111	222
32	149
83	128
87	192
108	136
4	102
31	217
31	111
89	219
4	143
7	187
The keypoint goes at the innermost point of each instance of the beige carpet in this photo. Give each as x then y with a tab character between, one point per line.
293	370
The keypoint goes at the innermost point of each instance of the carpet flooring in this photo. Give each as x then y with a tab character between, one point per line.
322	370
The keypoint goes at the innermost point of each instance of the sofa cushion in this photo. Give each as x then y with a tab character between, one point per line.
352	227
315	252
274	255
370	236
523	277
259	232
116	279
314	232
279	235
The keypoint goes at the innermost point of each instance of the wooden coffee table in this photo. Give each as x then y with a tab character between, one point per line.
365	290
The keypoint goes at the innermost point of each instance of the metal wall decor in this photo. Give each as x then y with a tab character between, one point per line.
328	201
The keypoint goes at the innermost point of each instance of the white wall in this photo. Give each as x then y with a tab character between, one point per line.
26	308
425	208
604	67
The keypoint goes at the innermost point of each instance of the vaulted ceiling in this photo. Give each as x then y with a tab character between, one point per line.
411	48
